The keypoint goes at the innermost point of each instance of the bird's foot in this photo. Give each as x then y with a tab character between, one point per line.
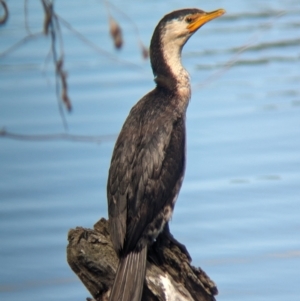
167	237
181	246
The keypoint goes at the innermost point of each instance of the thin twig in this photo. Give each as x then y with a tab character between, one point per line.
60	136
26	17
94	46
251	41
145	52
114	29
4	18
51	24
20	43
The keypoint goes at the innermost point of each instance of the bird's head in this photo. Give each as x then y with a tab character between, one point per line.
178	26
170	35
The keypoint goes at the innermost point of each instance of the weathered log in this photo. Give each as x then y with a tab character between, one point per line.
169	274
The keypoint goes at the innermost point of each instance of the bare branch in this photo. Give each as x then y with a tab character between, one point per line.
26	17
169	276
52	137
251	41
94	46
144	49
115	32
20	43
4	18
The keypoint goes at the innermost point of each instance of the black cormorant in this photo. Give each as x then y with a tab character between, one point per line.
148	160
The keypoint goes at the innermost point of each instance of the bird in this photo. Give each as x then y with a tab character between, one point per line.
148	161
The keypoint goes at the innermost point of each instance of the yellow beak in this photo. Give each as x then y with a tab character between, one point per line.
201	19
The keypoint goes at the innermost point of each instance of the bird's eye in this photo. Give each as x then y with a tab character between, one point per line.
188	20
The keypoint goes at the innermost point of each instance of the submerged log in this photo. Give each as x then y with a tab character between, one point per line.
169	275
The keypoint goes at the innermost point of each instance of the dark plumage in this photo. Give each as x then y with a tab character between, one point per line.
148	160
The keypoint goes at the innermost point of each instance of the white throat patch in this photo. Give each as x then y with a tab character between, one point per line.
172	41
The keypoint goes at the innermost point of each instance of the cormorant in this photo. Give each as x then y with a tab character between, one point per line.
148	161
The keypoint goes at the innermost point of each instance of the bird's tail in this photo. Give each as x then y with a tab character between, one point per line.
129	281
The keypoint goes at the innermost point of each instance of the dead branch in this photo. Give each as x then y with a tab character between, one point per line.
4	18
51	137
91	256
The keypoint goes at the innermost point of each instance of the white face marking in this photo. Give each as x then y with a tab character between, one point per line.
173	39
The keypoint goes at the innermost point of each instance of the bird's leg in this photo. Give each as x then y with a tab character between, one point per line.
165	240
166	234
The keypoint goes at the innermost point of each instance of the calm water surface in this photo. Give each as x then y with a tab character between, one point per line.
238	212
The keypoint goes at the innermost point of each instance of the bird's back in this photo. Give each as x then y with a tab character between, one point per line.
146	171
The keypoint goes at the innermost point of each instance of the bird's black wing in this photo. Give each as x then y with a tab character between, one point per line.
146	171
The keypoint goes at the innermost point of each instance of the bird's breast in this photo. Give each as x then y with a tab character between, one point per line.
184	93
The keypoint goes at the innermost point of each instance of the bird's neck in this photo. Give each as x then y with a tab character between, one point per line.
168	70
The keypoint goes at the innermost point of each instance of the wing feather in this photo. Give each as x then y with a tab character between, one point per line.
147	163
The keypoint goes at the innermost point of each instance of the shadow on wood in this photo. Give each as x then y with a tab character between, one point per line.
169	274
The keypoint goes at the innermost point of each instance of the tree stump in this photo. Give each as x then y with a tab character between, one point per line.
169	275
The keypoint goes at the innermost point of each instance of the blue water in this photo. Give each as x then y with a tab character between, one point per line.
239	208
